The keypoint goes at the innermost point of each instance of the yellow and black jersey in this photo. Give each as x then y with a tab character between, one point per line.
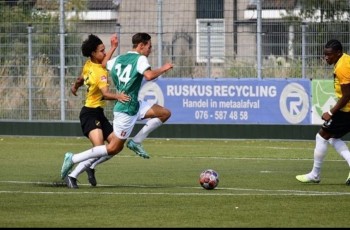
342	76
95	78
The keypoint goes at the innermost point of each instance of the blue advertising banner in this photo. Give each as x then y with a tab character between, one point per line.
231	101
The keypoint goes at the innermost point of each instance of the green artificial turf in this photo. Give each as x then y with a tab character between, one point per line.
257	185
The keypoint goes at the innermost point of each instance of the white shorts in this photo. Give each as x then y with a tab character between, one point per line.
123	123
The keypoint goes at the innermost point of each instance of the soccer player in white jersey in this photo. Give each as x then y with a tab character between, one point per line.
127	71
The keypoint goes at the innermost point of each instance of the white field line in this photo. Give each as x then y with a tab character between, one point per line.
242	191
244	158
246	192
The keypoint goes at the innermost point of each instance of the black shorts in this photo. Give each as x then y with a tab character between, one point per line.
94	118
339	125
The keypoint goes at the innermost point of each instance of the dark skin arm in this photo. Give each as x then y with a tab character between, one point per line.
75	86
107	95
114	45
345	88
105	91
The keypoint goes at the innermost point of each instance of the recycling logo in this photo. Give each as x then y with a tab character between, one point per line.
294	103
152	93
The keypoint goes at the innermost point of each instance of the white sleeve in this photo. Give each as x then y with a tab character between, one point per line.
110	63
142	64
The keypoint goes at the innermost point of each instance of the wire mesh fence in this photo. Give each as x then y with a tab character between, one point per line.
40	43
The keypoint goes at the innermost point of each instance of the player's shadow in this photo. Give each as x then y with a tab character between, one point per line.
62	183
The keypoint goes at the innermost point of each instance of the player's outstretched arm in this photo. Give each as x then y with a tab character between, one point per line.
153	74
114	45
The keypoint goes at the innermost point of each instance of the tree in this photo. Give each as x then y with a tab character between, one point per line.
324	10
17	15
323	20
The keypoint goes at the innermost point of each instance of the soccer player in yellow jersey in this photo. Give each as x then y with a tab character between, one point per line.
93	121
130	74
337	119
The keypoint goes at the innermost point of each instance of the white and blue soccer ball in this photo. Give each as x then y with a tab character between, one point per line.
209	179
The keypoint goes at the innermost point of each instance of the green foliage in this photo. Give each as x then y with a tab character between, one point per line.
241	69
16	20
278	67
324	10
324	20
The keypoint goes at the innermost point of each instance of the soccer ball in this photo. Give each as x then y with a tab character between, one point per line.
209	179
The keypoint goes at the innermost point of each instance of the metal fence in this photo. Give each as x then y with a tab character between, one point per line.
40	43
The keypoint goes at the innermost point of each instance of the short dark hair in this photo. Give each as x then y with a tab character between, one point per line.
335	45
140	38
90	45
